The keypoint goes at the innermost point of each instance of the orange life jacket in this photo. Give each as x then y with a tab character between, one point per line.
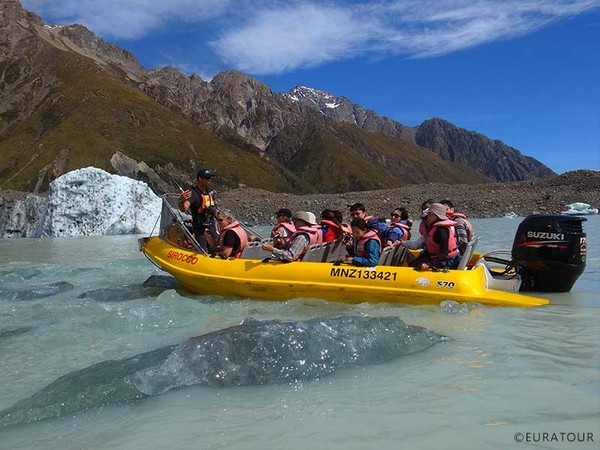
433	247
359	247
237	229
287	226
405	230
207	201
468	225
314	233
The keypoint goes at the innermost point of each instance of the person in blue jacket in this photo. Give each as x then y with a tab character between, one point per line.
367	246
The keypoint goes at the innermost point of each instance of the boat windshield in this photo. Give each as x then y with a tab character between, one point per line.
176	226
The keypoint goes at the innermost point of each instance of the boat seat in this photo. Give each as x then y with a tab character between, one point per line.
468	254
316	252
335	252
398	256
254	251
385	258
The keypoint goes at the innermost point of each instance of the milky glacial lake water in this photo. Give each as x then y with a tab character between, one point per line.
505	371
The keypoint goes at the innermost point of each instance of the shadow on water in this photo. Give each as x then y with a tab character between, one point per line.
252	353
11	332
37	292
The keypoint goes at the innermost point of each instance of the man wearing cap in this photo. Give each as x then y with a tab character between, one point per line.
441	250
307	233
200	201
283	229
357	210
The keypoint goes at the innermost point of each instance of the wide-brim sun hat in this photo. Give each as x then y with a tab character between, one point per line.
307	216
437	209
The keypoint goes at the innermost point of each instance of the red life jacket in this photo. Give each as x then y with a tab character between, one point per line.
237	229
330	230
287	226
359	247
314	233
433	248
468	224
405	230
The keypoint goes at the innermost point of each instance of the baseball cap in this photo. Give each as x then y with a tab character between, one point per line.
204	173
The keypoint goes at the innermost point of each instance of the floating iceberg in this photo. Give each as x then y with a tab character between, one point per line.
580	209
90	201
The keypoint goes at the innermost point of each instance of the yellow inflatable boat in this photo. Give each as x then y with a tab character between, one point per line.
548	255
274	280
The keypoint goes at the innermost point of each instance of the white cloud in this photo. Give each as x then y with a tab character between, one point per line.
127	19
295	36
274	36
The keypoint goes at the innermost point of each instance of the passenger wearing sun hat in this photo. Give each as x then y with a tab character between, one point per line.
283	229
441	249
200	200
307	232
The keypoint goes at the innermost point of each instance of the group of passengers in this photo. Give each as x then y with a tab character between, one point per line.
443	233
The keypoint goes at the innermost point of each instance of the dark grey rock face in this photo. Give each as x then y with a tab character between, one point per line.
492	157
21	214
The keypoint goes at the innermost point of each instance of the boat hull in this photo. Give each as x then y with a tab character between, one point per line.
275	280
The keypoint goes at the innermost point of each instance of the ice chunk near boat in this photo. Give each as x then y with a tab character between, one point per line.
252	353
456	308
91	202
580	209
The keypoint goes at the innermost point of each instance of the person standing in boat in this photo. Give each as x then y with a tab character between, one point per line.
441	249
200	200
232	237
283	229
464	229
307	233
367	245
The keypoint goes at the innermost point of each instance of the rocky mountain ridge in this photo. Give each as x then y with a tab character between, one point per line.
492	158
311	150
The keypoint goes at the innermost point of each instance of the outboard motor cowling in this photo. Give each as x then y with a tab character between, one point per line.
550	251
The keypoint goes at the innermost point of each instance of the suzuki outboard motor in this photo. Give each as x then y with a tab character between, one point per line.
550	251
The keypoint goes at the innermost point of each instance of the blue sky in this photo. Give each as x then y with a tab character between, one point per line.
526	72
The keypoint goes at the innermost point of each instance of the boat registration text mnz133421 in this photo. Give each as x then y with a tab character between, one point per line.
363	274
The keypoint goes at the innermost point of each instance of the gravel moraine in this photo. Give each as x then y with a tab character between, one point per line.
548	195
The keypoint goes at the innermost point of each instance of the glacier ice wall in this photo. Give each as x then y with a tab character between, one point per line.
90	201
